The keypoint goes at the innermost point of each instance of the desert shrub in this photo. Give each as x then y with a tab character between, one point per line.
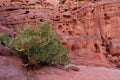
4	38
40	46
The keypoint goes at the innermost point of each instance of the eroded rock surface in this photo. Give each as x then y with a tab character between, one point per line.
11	69
85	73
86	27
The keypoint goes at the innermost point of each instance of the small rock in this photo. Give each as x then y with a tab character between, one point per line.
74	68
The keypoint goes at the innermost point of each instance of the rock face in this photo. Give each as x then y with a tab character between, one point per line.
4	29
90	29
5	51
10	69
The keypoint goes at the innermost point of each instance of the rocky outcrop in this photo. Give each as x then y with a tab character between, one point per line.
90	29
10	69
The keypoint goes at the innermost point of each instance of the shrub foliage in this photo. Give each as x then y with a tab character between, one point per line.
4	38
40	46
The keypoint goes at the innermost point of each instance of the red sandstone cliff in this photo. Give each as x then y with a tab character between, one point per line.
89	28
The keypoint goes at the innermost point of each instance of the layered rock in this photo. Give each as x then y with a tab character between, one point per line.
90	29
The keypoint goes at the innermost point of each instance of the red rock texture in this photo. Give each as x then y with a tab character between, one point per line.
85	73
90	29
10	32
10	69
5	51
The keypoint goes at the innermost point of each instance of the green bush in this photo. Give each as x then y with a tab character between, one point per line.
4	38
40	46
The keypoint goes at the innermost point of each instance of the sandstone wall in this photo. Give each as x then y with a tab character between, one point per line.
90	29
